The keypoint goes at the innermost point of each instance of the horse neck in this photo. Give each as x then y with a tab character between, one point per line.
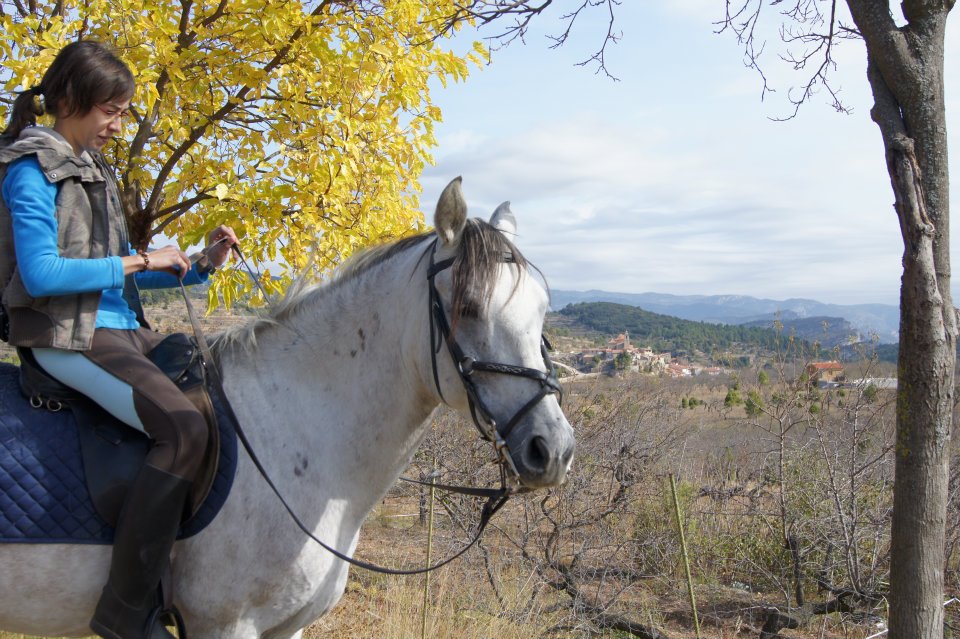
342	379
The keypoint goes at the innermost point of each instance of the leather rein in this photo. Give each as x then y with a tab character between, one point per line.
482	417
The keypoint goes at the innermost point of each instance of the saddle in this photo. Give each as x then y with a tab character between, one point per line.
112	452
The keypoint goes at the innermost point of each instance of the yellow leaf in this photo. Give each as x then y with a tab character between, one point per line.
316	153
380	49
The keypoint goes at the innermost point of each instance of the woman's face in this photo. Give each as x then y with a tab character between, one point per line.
95	128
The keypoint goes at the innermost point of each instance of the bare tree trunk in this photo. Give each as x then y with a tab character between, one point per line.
905	69
924	409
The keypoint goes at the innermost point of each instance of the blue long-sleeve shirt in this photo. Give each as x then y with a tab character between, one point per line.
32	203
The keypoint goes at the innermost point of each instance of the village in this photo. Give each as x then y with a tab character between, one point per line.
620	356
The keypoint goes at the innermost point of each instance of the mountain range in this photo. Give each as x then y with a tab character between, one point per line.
840	321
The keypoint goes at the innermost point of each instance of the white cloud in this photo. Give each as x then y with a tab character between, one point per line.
674	180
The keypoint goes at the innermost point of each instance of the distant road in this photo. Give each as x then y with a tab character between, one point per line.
574	372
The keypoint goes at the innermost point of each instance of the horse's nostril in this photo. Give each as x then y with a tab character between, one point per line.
538	454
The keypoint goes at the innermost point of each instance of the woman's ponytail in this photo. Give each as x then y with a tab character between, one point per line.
26	108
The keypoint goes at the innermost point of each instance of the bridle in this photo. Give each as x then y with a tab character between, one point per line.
466	366
482	417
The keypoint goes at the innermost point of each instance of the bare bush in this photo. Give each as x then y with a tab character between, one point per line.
786	501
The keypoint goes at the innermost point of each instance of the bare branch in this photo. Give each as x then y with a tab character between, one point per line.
484	12
810	35
518	15
599	57
743	23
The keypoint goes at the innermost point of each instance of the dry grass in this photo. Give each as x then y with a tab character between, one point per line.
393	609
724	465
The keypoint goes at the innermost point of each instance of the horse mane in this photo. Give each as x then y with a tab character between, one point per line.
480	253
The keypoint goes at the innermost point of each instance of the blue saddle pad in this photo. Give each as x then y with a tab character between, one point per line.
43	492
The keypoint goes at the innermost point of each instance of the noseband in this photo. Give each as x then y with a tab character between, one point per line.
466	366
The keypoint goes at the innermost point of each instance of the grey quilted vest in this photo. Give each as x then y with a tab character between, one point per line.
90	224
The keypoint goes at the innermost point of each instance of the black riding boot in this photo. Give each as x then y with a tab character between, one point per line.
145	533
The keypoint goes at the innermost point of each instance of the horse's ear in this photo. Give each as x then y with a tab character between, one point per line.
451	214
503	219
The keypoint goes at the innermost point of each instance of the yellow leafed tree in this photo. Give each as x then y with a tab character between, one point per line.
304	125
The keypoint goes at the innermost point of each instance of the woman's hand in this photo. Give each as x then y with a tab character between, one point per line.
169	258
219	242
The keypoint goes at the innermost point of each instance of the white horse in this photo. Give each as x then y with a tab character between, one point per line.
334	390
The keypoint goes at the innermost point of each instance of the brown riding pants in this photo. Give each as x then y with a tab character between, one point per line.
178	429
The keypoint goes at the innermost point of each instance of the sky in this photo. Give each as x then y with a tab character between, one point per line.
676	179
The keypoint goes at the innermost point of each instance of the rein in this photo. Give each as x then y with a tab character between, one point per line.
486	424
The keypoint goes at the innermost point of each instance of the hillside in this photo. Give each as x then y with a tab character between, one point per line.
827	331
882	320
662	332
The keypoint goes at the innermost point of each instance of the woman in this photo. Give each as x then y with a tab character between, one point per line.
70	295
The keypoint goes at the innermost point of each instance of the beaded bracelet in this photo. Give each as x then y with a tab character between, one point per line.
146	259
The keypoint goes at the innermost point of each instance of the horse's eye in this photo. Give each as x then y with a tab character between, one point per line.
469	310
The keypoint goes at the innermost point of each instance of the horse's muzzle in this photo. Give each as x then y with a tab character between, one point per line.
543	453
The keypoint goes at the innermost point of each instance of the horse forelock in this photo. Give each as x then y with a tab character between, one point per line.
481	252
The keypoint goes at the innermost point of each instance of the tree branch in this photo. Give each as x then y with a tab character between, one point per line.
219	12
886	43
743	24
814	33
598	615
181	207
522	12
21	9
185	37
230	105
485	12
600	55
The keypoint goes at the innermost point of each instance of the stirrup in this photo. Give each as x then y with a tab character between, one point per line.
174	618
178	621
